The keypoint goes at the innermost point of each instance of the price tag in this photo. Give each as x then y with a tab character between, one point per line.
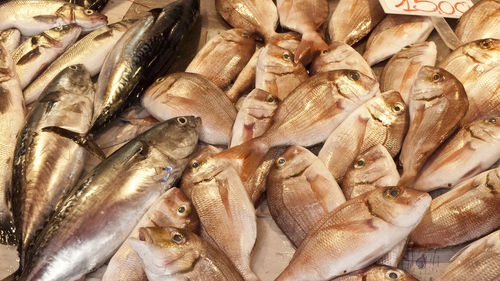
437	8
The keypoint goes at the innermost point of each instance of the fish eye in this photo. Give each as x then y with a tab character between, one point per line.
437	77
360	163
181	209
392	192
354	75
182	120
492	120
159	80
281	161
271	99
324	52
59	28
286	56
398	107
393	275
485	44
73	67
407	47
195	164
177	237
89	12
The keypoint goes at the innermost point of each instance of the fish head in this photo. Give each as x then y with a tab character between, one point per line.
202	166
166	250
261	103
423	50
176	137
277	60
434	83
485	128
7	70
483	50
123	25
389	109
354	86
335	52
398	206
293	162
177	211
61	35
88	19
382	272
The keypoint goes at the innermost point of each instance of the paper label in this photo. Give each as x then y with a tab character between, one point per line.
437	8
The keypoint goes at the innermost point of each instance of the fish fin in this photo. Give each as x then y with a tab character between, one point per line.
46	18
311	41
80	139
29	56
251	153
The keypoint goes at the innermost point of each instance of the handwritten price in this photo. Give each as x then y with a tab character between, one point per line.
443	8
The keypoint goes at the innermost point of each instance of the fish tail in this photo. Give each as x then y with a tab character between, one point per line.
83	140
251	153
311	41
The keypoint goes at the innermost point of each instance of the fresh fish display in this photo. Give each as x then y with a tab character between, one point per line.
469	152
308	115
437	105
104	207
245	81
11	121
341	56
300	192
254	16
377	273
381	120
254	117
226	213
36	53
484	96
149	46
468	62
357	233
223	57
393	33
277	72
189	93
479	259
10	39
480	21
47	165
89	51
171	209
464	213
362	17
173	254
402	69
31	17
371	169
304	17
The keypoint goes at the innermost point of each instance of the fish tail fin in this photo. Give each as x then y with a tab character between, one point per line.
311	41
84	140
251	153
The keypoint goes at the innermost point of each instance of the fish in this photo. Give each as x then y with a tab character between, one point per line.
402	69
357	233
479	22
223	205
189	93
223	57
468	62
254	16
478	260
36	53
468	211
171	209
277	72
89	51
393	33
371	169
307	116
148	46
340	56
484	97
95	5
245	81
472	150
352	21
46	164
101	210
304	17
11	121
10	39
381	120
173	254
438	103
254	116
31	17
377	273
300	192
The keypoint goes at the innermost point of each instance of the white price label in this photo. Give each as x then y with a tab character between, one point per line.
437	8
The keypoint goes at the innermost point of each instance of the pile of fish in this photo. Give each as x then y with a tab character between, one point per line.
106	157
